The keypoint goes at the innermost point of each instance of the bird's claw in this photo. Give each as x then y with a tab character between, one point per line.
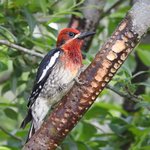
79	82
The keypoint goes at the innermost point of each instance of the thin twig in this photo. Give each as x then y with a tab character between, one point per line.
20	48
11	135
109	10
129	96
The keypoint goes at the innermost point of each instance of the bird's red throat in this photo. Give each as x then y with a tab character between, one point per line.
73	55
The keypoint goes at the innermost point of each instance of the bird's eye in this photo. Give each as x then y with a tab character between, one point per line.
71	34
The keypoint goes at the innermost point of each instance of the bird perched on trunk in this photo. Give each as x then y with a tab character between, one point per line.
55	76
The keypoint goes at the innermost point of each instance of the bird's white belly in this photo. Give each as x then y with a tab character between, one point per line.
57	85
39	111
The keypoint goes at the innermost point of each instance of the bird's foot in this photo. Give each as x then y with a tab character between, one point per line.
79	82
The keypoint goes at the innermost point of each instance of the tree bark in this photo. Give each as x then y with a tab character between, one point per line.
106	63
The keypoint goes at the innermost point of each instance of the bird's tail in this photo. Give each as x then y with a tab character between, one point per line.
31	132
27	119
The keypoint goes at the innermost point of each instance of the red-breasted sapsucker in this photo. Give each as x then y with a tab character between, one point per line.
55	76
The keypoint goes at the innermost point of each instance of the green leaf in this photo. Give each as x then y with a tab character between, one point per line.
4	105
113	107
30	19
5	88
130	64
20	3
43	5
4	148
144	55
88	131
127	71
118	129
11	113
145	148
96	112
120	13
146	97
78	4
8	35
82	146
139	131
3	66
69	144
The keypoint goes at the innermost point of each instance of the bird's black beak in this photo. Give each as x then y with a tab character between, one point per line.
85	34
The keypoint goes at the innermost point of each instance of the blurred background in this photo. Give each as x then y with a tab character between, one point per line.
120	117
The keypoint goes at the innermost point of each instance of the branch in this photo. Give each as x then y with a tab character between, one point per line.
22	49
106	63
109	10
128	96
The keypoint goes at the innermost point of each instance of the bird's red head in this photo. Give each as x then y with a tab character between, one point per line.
70	41
65	35
71	37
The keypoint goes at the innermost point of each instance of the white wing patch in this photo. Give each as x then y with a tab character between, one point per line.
51	63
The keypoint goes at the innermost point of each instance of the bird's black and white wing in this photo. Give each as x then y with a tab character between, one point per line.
45	68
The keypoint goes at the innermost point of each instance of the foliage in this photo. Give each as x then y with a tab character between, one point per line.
106	126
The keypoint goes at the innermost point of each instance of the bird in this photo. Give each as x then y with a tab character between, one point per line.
55	76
